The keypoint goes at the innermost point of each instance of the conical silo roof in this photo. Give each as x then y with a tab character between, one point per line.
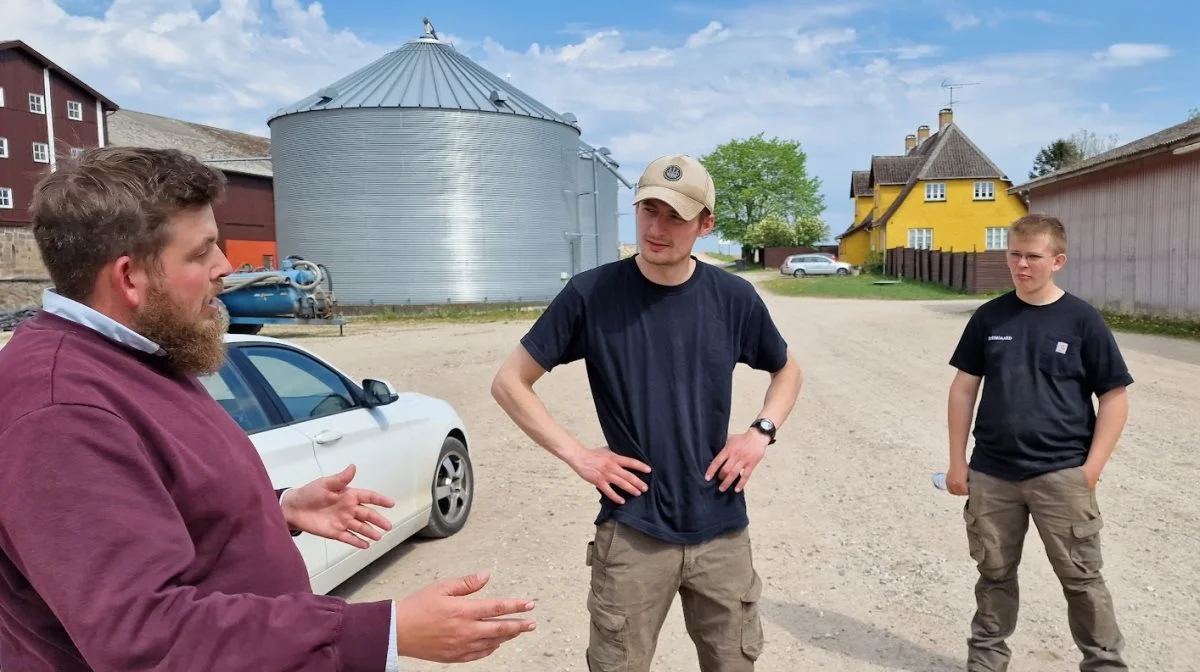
429	73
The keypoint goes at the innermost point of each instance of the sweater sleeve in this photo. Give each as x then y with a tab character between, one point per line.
90	524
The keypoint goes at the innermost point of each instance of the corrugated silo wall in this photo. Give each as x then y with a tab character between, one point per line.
423	207
608	237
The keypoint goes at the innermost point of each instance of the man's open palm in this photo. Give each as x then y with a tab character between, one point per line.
439	623
329	508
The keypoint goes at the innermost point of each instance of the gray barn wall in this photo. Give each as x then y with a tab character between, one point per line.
1133	235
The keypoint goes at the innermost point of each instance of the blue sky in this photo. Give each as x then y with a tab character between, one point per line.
845	79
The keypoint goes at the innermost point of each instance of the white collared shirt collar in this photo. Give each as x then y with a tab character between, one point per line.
68	309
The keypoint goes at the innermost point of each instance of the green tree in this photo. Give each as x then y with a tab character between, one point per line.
756	177
1055	156
810	231
770	231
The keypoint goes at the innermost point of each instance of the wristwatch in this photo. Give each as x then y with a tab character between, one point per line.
766	427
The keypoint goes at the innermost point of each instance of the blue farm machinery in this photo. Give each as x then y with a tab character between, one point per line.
299	292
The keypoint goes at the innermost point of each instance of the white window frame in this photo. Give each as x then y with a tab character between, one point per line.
3	148
6	198
920	239
1	96
985	190
37	103
75	110
41	152
995	238
935	191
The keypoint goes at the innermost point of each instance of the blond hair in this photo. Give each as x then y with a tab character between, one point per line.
1037	224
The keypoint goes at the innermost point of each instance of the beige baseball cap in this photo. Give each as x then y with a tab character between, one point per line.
679	181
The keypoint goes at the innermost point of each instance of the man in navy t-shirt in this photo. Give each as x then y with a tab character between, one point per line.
660	334
1041	354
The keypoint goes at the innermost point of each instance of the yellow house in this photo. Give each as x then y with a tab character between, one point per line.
854	244
943	193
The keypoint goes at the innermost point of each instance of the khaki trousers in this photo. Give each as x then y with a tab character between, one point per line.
635	578
1067	517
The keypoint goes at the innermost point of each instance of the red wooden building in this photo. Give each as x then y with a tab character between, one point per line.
246	216
46	113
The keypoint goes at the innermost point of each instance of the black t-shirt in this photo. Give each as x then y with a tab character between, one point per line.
660	366
1040	367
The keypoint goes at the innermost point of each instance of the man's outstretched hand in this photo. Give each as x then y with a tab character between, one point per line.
439	624
329	508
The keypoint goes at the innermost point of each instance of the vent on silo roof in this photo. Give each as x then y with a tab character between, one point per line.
498	97
325	95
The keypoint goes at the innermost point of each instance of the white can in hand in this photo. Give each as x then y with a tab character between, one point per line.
939	480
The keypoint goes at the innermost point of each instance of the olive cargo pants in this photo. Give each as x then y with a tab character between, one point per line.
1067	517
634	581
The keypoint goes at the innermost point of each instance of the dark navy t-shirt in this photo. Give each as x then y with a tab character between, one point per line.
1040	367
660	363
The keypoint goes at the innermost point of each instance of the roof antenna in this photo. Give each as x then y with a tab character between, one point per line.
429	29
947	85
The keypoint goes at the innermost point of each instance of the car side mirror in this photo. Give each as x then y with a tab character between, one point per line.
379	392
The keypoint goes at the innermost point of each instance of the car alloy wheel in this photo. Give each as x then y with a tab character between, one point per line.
453	490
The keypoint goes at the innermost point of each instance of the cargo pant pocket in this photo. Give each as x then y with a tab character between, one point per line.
752	630
975	544
1085	546
608	641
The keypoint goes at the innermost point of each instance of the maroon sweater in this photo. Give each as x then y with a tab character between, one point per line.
139	529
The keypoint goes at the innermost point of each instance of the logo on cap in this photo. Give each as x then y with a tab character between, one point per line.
673	172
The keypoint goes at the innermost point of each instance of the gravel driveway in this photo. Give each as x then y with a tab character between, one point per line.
865	564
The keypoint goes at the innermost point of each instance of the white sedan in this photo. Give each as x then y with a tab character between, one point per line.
308	419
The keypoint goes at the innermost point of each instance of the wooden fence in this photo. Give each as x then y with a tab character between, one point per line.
969	272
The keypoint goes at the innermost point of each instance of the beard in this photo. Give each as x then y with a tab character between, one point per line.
193	346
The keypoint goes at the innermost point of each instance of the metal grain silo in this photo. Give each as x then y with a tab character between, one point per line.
423	178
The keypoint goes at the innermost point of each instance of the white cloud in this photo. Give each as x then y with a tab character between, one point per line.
1127	55
241	59
961	20
818	74
713	33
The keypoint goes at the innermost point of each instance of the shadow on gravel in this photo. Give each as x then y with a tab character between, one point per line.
856	639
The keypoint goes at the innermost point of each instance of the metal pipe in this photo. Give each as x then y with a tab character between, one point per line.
612	169
236	158
595	208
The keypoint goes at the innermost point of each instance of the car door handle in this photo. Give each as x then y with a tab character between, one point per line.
327	437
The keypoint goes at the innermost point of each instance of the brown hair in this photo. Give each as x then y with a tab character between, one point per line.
111	202
1036	224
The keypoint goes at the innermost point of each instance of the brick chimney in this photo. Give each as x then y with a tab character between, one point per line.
922	133
945	116
910	141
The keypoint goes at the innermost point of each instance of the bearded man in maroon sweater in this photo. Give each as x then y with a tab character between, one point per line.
138	527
